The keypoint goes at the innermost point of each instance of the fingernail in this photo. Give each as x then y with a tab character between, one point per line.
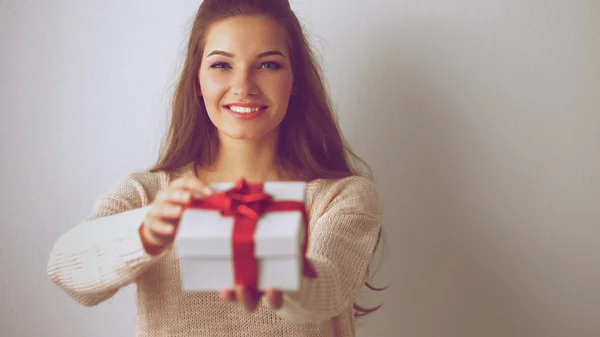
208	191
198	196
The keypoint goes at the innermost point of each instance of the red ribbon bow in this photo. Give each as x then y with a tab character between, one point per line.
246	203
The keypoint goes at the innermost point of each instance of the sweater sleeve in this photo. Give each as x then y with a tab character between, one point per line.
104	253
341	246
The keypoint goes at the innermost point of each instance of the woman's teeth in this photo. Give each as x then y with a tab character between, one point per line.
240	109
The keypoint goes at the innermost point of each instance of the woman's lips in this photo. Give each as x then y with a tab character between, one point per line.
246	111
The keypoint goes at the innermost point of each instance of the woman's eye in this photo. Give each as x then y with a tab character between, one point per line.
220	65
270	65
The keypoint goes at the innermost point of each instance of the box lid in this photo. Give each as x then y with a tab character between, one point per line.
207	234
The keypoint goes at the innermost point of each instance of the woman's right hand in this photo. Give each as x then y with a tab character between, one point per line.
160	225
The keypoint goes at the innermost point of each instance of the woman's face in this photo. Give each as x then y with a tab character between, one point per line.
246	76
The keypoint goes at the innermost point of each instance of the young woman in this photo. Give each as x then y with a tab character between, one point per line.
250	103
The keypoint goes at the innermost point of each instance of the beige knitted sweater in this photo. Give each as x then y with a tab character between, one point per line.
91	264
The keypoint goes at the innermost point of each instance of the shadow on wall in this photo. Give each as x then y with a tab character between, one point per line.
443	269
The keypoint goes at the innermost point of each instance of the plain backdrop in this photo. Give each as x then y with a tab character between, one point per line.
480	119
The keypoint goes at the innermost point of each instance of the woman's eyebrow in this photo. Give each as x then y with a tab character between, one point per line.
271	53
230	55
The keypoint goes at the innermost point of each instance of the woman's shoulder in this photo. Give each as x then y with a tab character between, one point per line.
349	194
149	180
139	187
352	181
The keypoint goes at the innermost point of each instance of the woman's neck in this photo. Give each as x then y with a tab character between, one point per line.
254	160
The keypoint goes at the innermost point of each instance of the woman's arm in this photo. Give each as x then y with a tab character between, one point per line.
93	260
341	245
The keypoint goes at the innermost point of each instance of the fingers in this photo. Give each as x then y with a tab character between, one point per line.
248	298
228	295
172	195
162	219
274	299
161	222
193	185
162	210
157	232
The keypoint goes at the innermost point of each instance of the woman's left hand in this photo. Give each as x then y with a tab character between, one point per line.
249	298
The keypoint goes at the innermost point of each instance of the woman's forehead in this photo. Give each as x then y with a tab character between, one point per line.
246	35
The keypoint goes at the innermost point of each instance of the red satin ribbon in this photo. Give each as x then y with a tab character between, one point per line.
246	203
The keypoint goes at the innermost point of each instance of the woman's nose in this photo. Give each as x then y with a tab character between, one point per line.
244	85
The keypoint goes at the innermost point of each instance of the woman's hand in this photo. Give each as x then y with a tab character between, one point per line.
249	298
160	225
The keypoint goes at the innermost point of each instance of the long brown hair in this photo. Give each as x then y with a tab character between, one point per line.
310	144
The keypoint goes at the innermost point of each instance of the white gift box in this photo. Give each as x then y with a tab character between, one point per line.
204	244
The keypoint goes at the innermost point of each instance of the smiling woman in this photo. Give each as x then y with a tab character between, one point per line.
250	103
246	77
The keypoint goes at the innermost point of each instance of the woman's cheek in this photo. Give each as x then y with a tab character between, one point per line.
213	84
283	84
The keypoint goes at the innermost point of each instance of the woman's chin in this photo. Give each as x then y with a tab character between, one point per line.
248	134
245	135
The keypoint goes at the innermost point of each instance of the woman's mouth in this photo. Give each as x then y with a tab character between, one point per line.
246	112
